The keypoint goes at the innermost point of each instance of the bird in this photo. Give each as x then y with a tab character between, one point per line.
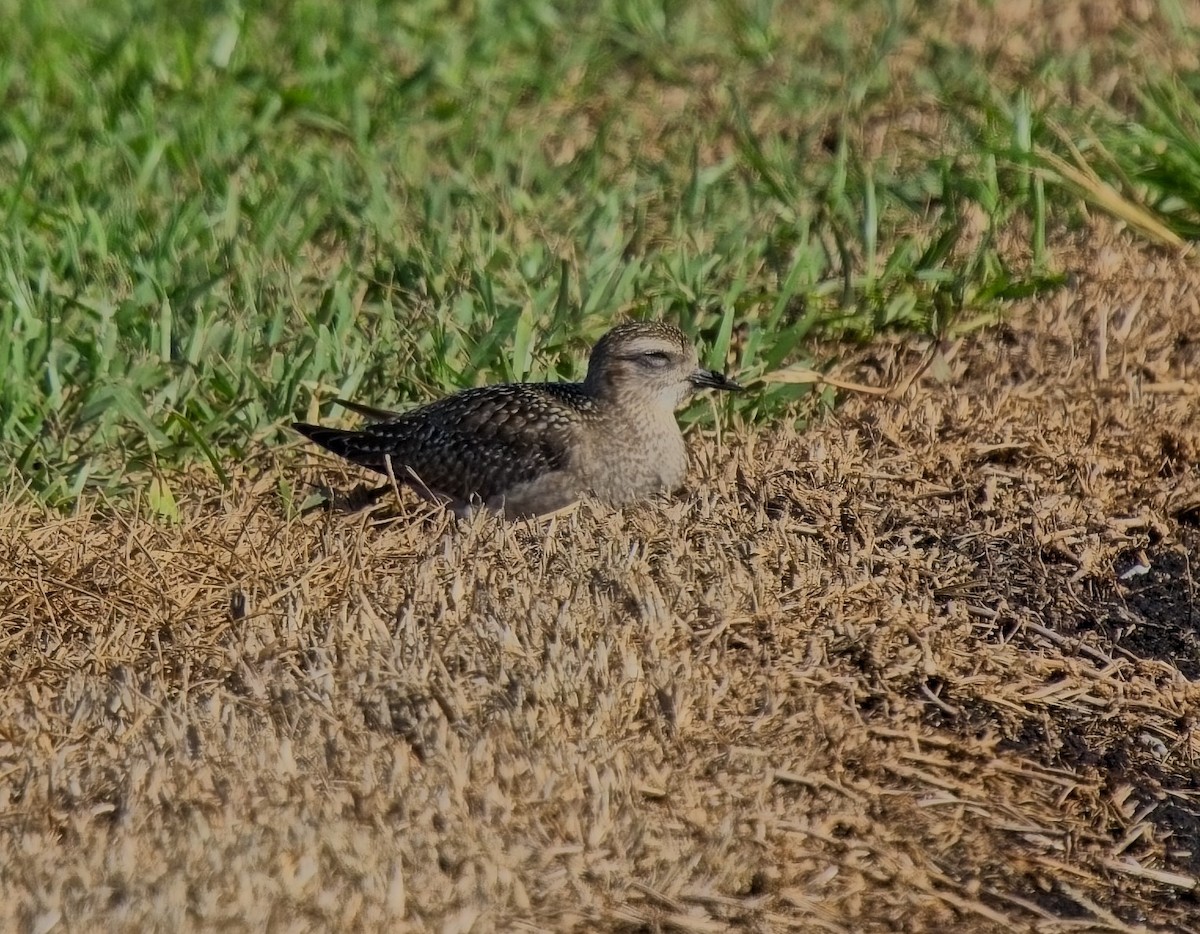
527	449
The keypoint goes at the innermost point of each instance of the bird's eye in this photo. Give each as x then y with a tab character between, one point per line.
656	358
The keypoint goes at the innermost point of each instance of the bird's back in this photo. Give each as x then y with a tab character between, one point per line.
479	444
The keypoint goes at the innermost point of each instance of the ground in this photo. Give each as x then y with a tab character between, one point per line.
927	665
922	658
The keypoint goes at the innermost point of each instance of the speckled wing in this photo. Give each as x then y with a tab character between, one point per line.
477	443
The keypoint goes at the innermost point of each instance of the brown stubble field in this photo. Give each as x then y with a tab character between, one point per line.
883	675
899	672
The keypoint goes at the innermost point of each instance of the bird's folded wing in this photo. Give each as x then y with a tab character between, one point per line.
463	459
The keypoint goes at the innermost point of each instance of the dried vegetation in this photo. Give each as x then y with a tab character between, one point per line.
889	674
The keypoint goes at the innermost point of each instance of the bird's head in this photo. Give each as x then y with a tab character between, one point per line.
652	362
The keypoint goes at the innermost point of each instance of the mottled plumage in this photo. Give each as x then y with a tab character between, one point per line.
531	448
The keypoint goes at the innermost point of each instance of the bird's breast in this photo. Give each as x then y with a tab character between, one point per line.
631	459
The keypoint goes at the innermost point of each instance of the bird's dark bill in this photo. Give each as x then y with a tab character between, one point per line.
711	379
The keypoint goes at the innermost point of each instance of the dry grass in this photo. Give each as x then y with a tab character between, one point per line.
880	676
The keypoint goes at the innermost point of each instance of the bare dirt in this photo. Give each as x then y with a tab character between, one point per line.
930	665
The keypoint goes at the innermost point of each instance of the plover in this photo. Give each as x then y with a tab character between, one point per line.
532	448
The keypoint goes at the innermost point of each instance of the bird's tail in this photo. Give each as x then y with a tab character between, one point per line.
352	445
367	450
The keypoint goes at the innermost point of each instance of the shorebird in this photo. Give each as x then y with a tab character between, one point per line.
532	448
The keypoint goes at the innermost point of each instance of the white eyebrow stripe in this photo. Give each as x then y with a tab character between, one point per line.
651	345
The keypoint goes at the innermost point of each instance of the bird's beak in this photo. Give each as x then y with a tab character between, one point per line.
711	379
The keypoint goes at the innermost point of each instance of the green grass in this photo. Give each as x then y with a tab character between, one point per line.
212	218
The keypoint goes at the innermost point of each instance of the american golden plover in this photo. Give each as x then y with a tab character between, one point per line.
532	448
